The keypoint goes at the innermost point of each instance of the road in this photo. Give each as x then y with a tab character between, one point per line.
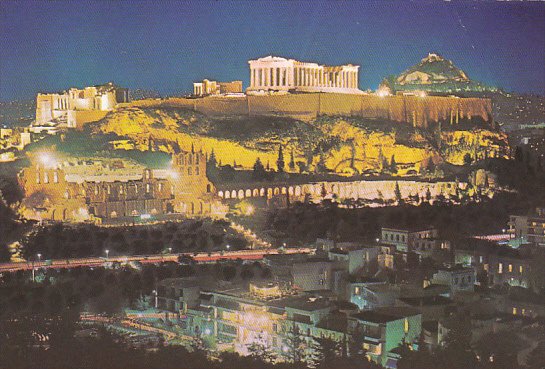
147	259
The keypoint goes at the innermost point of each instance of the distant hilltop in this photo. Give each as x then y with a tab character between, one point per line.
434	73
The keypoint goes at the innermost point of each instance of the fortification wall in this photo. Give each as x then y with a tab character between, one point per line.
78	118
418	111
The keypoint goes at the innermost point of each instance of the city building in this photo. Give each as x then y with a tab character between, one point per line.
273	73
530	228
67	191
383	330
499	263
207	87
63	108
369	295
411	240
458	278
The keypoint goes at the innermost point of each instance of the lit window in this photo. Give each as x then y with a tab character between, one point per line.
196	171
500	268
46	177
55	177
38	177
510	268
189	171
147	187
514	311
520	269
357	291
406	325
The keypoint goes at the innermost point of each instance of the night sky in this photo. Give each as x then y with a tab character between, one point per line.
165	46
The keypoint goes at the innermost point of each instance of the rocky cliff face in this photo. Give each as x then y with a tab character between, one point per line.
341	144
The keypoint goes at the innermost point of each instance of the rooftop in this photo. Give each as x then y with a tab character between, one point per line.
385	314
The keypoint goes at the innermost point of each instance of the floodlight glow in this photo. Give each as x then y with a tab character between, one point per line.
47	160
145	216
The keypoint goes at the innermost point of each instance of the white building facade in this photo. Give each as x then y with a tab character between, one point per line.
274	73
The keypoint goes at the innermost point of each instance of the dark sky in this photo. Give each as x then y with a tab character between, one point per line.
166	45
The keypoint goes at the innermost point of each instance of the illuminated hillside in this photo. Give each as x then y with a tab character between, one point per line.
340	144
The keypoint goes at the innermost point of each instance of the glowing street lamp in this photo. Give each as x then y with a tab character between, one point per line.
227	247
377	239
39	257
107	253
170	250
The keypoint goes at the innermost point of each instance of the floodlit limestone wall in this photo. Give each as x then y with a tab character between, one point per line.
416	110
78	118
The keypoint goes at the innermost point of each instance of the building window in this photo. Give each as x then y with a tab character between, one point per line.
189	171
406	325
197	159
38	177
500	268
56	177
109	189
197	170
521	269
160	187
356	290
514	311
121	190
147	187
46	177
510	268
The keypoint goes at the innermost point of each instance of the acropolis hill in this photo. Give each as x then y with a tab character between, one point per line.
316	112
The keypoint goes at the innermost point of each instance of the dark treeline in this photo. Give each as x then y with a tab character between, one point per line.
306	222
71	241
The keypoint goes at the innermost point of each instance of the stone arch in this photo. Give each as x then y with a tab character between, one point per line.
53	214
256	192
113	214
262	192
208	188
240	194
248	193
283	190
154	211
290	190
269	192
64	213
297	190
202	208
227	195
192	208
220	194
234	194
276	191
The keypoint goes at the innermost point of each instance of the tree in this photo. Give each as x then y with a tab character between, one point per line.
467	159
294	346
325	352
397	193
292	161
5	255
323	191
280	161
259	351
428	194
259	172
393	165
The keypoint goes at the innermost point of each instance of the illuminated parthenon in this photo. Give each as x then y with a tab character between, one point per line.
274	73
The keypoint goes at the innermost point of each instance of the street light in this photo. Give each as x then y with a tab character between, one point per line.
227	247
155	293
377	239
107	253
170	250
39	257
